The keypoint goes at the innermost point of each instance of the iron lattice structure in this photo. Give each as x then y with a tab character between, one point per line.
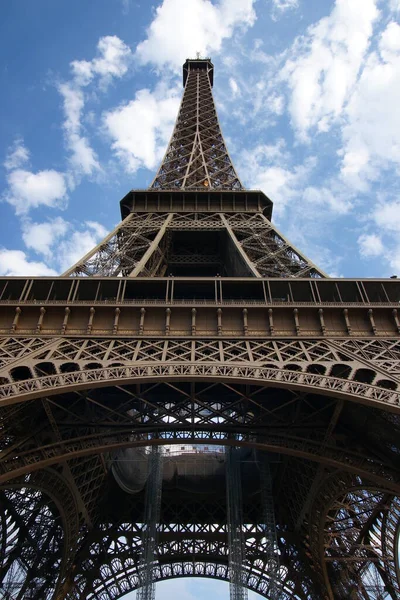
195	327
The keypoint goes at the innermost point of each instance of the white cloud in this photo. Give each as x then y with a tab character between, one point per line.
98	229
16	263
113	61
266	101
59	241
281	6
78	243
268	168
394	259
141	128
387	216
28	190
370	245
42	236
17	156
330	199
234	87
126	4
73	103
370	135
394	6
325	63
202	27
83	72
83	157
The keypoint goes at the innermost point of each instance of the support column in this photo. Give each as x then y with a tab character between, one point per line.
151	519
236	545
272	556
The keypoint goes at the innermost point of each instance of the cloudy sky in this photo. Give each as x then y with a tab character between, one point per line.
308	94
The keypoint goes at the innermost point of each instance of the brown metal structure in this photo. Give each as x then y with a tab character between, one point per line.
195	323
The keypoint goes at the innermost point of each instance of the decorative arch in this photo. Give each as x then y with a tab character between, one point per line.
76	380
119	576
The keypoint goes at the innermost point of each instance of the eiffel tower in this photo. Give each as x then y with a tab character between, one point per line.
195	397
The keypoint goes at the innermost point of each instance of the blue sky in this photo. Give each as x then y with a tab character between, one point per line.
308	94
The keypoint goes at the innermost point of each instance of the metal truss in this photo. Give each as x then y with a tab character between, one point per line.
38	528
96	422
151	521
196	157
79	364
192	542
356	555
127	249
140	245
269	253
270	529
236	544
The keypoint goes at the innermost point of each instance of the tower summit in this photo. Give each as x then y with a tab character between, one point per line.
196	157
196	182
194	397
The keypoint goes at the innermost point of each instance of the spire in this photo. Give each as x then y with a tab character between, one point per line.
196	219
196	157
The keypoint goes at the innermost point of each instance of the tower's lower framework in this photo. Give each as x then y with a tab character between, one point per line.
307	385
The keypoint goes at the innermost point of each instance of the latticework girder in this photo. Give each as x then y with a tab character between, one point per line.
196	157
152	506
270	529
236	544
144	245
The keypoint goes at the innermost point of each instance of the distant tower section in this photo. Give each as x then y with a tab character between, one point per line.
196	157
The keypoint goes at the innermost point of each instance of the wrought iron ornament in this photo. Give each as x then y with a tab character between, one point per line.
195	397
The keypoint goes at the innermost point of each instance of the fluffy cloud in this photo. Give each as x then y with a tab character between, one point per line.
113	60
281	6
269	168
370	245
334	200
16	263
78	243
202	27
28	190
60	242
387	216
370	136
325	63
83	157
141	128
41	237
17	156
234	87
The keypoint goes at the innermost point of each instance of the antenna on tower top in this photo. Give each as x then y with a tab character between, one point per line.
197	55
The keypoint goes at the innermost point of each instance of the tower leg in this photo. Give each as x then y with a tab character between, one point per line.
151	519
237	589
269	524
